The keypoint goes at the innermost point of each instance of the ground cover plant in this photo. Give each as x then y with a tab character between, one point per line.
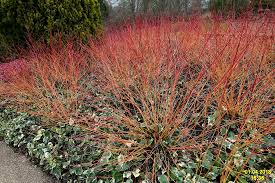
60	150
163	101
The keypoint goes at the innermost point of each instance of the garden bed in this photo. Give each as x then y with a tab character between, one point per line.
154	102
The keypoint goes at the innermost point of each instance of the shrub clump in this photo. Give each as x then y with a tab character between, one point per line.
43	18
58	76
187	103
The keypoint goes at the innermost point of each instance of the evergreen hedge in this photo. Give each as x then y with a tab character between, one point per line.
43	18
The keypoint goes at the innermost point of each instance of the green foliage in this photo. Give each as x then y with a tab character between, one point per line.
104	8
55	148
48	17
6	40
5	47
5	118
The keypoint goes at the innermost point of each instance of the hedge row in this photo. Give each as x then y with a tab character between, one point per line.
43	18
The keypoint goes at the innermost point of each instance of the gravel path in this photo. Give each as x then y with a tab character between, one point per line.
16	168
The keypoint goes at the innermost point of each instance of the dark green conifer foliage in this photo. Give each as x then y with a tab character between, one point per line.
43	18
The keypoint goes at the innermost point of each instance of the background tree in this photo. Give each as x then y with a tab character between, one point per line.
104	8
263	4
196	6
225	7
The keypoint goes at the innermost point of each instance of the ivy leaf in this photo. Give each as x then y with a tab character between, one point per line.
122	166
150	141
105	157
242	180
129	181
136	173
127	174
207	161
231	137
223	131
176	174
66	164
76	171
56	172
163	179
47	155
117	176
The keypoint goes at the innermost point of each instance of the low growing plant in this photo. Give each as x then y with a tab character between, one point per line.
61	150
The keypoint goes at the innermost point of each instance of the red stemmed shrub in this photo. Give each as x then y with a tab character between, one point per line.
197	90
53	82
